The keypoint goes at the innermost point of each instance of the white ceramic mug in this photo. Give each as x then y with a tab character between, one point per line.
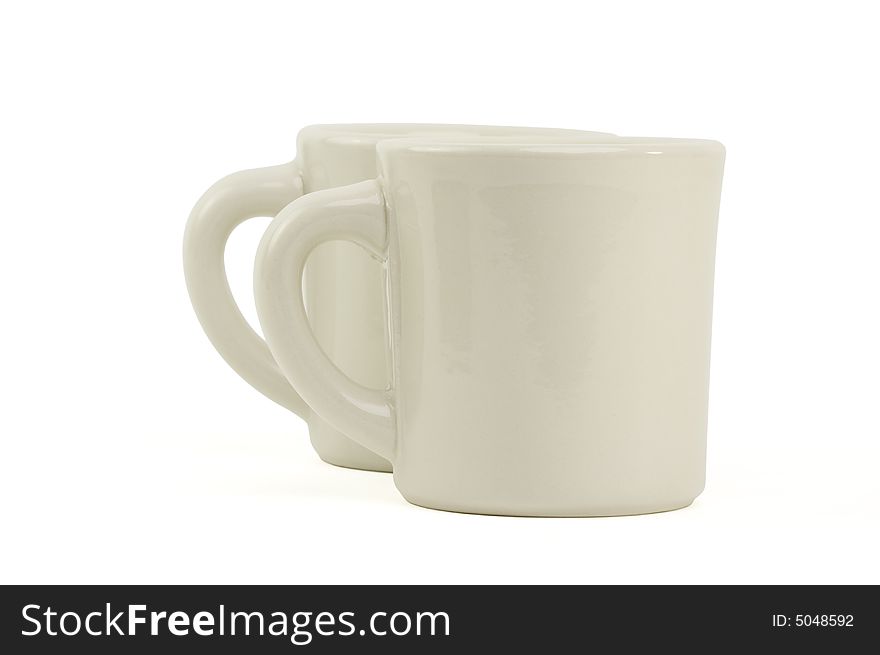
343	285
550	311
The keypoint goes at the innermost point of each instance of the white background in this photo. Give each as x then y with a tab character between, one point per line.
132	454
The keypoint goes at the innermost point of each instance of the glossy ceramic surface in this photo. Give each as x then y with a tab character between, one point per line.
550	311
344	286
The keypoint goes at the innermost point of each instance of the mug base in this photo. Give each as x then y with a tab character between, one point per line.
537	511
335	448
357	466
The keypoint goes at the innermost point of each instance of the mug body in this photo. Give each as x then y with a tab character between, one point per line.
551	313
344	286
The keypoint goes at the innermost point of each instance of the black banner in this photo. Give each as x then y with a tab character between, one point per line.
323	619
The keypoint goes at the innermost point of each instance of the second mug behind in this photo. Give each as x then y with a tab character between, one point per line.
343	284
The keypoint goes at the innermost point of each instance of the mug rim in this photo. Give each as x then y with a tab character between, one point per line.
547	145
373	133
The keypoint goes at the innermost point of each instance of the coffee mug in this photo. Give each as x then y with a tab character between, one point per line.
343	285
550	308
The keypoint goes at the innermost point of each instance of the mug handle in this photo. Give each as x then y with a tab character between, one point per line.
231	201
353	213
